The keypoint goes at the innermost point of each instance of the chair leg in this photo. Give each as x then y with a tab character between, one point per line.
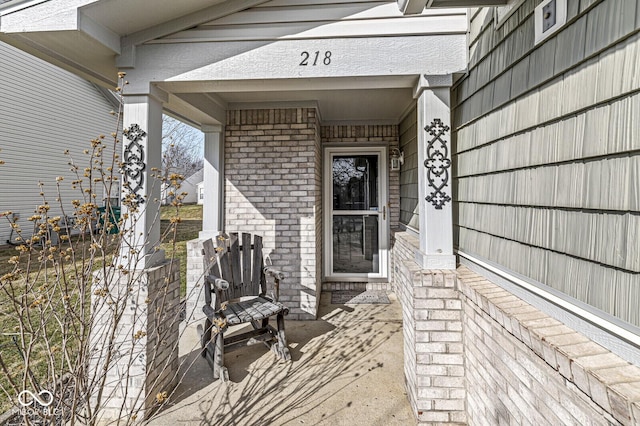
205	336
219	370
280	347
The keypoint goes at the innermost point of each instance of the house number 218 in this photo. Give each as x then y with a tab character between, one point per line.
315	58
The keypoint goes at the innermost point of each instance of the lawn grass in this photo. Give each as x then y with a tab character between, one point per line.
187	229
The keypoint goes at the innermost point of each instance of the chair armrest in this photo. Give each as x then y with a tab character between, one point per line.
273	272
277	276
218	283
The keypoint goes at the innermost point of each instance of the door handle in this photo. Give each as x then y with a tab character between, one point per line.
384	212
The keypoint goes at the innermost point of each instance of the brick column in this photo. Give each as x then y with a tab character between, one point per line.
195	272
143	360
135	306
439	354
432	318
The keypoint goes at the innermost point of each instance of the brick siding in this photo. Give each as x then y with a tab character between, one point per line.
273	188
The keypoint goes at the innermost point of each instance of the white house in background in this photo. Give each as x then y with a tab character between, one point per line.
200	192
44	110
192	186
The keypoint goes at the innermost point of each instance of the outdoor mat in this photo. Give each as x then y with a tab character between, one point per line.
372	297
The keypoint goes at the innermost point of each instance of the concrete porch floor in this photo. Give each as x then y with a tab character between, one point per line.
346	369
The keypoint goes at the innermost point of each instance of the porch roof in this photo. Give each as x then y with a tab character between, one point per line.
97	38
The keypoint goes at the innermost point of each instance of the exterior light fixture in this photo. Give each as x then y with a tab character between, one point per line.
397	159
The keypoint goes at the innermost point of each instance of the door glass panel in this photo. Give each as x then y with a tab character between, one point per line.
355	182
355	214
355	244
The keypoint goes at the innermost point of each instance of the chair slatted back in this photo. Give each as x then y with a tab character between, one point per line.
240	263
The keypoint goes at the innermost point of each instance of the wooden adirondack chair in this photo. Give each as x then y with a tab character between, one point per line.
235	289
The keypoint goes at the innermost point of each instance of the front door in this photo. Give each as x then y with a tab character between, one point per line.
356	212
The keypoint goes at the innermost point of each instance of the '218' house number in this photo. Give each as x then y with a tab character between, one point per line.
315	58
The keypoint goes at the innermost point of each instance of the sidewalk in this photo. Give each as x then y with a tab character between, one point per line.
346	369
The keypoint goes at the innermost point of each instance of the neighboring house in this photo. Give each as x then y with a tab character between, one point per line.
190	187
200	192
44	111
521	163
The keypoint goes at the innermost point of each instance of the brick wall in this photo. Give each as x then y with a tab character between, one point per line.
272	188
524	367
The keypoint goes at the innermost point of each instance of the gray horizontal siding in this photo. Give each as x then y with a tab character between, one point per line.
524	66
608	238
547	153
43	112
611	290
596	82
608	184
409	214
577	137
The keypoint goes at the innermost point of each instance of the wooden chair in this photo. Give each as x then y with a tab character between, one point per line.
235	289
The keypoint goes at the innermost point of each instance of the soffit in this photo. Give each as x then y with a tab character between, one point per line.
126	16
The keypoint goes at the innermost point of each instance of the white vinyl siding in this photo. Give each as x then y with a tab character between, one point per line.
547	151
43	112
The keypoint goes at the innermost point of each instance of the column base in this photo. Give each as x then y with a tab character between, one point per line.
195	270
205	235
436	261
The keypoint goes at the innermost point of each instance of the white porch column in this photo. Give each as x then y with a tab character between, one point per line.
434	177
213	207
142	153
136	311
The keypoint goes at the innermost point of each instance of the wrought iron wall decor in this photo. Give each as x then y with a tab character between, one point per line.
133	163
437	164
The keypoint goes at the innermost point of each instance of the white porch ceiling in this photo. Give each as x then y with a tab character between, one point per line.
339	100
335	106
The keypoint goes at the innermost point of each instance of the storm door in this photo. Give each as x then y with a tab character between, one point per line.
356	213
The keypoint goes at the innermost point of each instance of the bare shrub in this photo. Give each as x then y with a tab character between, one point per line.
77	305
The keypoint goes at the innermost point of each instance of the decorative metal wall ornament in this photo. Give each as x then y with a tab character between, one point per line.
437	164
133	164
